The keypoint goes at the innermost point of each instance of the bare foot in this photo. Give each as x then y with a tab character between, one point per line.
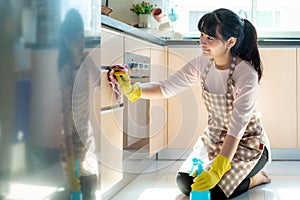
260	178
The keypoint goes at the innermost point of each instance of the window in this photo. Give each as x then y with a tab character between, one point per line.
277	16
272	18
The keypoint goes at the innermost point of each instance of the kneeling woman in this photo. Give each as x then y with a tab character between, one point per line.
229	70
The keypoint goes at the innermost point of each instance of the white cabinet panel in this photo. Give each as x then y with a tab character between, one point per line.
112	47
298	94
187	115
111	148
277	98
136	46
158	108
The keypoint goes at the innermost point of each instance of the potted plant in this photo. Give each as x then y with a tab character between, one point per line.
143	10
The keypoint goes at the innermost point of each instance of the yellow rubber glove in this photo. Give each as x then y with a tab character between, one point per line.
131	91
209	179
74	182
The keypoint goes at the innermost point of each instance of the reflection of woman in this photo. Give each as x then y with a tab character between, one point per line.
78	75
229	70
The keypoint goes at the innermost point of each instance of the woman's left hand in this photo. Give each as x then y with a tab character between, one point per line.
209	179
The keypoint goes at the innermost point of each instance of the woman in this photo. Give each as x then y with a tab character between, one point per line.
78	76
229	70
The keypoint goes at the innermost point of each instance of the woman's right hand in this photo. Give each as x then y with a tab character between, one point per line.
131	91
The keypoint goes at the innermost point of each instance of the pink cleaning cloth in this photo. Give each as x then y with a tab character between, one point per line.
113	81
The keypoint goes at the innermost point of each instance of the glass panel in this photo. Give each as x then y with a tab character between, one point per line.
277	18
189	12
43	51
272	18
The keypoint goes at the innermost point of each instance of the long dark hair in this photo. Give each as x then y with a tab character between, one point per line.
70	27
228	24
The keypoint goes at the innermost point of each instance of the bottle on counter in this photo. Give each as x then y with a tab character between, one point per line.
195	195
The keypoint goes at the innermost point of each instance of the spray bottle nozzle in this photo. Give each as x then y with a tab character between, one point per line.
196	163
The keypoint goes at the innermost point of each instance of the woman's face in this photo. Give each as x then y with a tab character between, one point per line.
211	46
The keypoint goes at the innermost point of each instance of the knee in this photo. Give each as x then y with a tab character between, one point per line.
184	182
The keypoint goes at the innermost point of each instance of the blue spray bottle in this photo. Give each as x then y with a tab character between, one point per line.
195	195
78	194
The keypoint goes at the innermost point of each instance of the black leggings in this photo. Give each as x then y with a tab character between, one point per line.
88	187
184	181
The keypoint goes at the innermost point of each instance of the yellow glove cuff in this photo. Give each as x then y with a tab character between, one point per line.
220	165
135	93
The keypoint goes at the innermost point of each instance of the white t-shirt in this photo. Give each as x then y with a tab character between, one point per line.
245	91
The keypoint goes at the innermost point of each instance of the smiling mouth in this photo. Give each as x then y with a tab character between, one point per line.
205	50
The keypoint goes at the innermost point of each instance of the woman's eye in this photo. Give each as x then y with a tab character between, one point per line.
202	35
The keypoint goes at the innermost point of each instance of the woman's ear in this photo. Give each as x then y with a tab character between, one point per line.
231	42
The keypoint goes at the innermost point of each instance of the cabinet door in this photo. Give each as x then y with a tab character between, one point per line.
158	107
277	98
298	97
137	46
186	113
111	148
112	47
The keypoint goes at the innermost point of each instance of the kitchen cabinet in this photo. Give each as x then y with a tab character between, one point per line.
186	113
277	98
111	139
158	107
125	164
110	56
136	46
111	147
298	94
112	47
125	43
136	118
111	153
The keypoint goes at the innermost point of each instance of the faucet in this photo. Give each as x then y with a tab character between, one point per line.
243	14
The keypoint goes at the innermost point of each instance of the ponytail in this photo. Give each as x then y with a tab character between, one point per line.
248	49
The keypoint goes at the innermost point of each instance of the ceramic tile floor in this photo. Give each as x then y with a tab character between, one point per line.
158	183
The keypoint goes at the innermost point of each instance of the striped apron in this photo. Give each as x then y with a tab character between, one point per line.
250	148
